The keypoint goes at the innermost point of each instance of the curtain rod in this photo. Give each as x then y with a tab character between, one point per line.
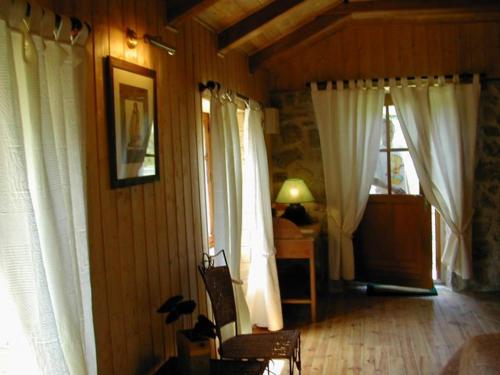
463	77
211	85
76	23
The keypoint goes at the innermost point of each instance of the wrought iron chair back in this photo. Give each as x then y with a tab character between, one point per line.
219	286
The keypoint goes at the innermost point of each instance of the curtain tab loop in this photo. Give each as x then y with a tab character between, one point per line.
47	24
418	81
63	32
314	86
392	82
404	82
441	80
369	83
17	12
340	85
456	79
475	79
360	84
329	85
35	18
352	84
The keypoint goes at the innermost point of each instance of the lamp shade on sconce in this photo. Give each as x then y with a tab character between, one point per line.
294	190
271	120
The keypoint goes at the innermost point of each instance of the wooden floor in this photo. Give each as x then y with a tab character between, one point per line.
357	334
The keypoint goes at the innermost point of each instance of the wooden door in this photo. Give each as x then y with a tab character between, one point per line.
393	242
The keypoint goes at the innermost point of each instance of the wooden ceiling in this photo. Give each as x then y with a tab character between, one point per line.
263	29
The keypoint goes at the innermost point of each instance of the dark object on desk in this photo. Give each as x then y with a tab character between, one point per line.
282	344
297	214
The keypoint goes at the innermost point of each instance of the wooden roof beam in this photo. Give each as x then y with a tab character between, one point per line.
336	18
249	26
179	11
315	30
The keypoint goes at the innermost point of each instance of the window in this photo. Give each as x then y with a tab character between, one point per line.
207	158
394	157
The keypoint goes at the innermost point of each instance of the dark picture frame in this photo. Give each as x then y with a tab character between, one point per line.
132	123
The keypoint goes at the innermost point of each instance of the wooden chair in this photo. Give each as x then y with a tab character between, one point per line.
273	345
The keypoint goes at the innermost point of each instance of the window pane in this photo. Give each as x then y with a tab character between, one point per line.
404	178
397	138
383	135
379	185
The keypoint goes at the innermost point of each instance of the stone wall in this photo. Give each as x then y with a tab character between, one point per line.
296	152
486	221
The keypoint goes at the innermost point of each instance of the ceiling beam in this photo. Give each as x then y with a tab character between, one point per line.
249	26
406	11
182	10
313	31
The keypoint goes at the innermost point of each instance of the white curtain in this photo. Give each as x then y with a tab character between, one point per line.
227	183
439	124
46	325
263	294
349	121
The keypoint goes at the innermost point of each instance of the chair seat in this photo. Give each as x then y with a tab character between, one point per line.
279	344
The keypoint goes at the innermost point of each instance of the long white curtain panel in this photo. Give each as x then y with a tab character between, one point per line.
46	325
349	121
439	121
227	182
263	293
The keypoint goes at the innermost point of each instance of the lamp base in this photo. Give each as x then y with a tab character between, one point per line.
297	214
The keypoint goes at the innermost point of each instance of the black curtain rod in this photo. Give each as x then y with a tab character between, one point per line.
212	85
464	77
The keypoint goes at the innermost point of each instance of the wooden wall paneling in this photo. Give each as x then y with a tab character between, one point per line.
127	230
392	63
194	229
185	109
176	91
155	268
405	50
450	52
135	18
420	54
124	252
166	226
200	232
103	42
434	49
476	40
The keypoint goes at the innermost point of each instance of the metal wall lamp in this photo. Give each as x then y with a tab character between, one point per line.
148	38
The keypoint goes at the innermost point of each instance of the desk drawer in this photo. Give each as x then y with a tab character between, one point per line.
297	248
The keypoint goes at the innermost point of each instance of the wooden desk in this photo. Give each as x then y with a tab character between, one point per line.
293	242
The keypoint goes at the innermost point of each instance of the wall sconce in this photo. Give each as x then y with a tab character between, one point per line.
271	120
154	40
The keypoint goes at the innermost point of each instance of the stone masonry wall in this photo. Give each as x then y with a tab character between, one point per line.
296	152
486	221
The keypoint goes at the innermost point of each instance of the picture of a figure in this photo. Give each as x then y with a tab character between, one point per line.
135	134
135	124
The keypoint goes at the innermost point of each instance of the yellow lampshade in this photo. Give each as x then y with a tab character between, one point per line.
294	190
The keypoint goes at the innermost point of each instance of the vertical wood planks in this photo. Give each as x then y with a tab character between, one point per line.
145	241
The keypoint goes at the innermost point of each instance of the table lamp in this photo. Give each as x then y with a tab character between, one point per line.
294	191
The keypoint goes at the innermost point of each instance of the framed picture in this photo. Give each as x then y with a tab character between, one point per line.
132	123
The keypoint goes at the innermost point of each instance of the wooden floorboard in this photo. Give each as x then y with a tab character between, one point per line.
359	334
